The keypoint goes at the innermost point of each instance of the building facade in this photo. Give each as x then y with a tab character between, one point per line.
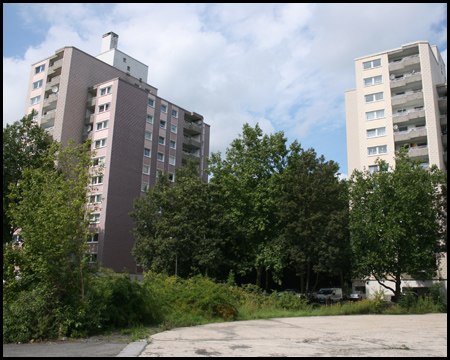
400	99
135	134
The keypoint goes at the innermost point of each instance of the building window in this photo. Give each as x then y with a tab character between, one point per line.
172	177
146	169
164	108
144	186
105	91
95	199
160	156
175	113
377	150
148	135
95	218
371	64
376	132
93	238
99	143
173	128
151	102
147	152
99	161
128	68
37	84
35	100
374	97
104	107
149	119
372	115
124	60
39	69
172	160
373	80
373	168
92	257
162	124
162	140
173	144
102	125
97	180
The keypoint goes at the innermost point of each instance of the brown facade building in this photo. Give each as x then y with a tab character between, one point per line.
135	134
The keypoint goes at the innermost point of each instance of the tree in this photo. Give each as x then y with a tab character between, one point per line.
25	144
249	176
394	221
49	206
180	225
313	210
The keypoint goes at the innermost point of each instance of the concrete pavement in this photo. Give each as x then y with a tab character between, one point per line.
352	335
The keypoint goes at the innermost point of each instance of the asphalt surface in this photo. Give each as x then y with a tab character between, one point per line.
352	335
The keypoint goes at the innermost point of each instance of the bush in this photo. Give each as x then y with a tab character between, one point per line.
290	301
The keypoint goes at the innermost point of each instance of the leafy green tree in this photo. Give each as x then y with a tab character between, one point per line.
49	206
249	176
394	225
25	144
180	225
313	210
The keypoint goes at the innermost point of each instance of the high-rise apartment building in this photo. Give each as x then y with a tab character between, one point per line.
400	99
135	134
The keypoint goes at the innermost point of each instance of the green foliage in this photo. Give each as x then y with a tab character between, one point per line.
313	212
394	220
187	302
291	301
119	302
25	145
181	226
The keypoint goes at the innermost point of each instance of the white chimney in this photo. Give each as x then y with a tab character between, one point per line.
109	41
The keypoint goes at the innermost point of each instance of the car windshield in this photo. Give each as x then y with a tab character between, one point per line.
325	292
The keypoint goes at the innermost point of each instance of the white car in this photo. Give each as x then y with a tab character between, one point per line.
357	295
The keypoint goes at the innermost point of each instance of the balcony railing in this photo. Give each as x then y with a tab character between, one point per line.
406	76
403	113
403	59
406	94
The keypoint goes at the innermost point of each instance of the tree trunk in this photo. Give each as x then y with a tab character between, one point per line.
317	281
308	271
267	279
302	283
258	275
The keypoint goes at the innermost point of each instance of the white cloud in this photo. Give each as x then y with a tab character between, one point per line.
285	66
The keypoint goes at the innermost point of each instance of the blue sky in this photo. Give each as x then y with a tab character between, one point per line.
284	66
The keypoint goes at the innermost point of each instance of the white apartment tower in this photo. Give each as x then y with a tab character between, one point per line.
135	134
400	99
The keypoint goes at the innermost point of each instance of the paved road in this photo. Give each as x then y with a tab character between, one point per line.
354	335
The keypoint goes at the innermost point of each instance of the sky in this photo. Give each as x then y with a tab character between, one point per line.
283	66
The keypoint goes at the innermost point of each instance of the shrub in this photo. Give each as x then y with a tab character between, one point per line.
290	301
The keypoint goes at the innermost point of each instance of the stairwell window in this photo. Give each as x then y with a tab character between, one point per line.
104	107
100	143
175	113
148	135
151	102
371	64
105	91
173	144
374	97
149	119
93	238
172	160
377	150
147	152
99	161
102	125
164	108
35	100
373	115
373	80
95	218
162	140
95	199
97	180
376	132
160	157
39	69
146	169
37	84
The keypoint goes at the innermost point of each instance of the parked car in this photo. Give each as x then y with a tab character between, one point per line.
293	291
357	295
329	295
